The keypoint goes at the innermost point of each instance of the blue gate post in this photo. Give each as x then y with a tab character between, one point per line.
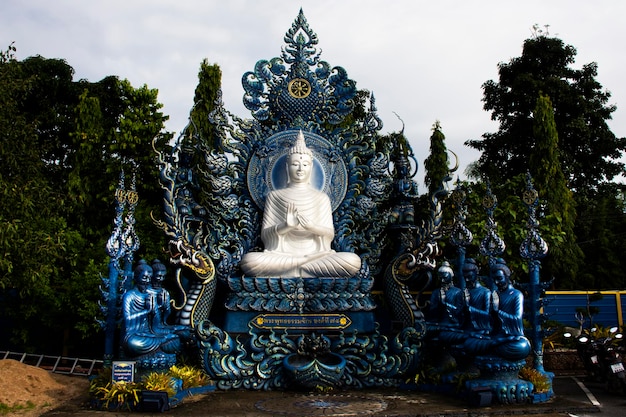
460	236
533	248
121	245
131	240
116	249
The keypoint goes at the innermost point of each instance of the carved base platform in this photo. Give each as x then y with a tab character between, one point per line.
501	391
313	371
267	359
156	361
499	377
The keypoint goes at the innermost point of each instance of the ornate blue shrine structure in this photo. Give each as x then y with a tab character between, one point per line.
306	330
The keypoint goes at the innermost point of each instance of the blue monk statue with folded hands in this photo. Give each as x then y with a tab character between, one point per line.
478	322
145	336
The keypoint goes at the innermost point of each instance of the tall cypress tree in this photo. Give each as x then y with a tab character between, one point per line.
209	84
436	164
560	208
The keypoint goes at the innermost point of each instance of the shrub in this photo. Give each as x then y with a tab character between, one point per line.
191	377
101	380
122	395
540	381
158	381
126	395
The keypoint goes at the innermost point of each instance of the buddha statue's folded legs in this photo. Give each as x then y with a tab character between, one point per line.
326	264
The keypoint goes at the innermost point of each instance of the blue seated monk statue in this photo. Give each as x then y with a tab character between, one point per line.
478	299
163	303
447	302
506	340
508	305
142	330
446	314
298	229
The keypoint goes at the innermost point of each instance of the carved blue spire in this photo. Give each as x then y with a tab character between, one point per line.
492	244
298	85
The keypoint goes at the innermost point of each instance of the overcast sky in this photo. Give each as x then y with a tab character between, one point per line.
424	60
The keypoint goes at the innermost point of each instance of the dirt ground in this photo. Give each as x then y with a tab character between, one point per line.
37	390
58	395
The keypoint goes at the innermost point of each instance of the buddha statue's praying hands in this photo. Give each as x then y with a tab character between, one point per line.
298	229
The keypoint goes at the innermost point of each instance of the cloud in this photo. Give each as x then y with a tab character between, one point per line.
425	61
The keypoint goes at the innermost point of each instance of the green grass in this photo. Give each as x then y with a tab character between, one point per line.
5	409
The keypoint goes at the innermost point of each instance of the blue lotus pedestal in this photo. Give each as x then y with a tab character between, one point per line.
310	372
499	381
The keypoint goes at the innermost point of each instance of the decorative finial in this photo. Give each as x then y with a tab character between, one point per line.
299	147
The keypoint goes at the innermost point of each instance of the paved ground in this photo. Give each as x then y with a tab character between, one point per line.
570	399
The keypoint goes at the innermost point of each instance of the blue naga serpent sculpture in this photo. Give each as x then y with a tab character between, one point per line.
418	249
193	264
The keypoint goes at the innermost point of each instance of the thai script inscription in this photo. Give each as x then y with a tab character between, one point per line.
301	321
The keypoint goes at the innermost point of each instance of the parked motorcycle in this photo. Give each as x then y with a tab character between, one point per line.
602	359
611	360
587	350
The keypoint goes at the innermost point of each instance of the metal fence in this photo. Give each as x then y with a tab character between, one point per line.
57	364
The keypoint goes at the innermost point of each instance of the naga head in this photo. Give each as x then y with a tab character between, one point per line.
186	256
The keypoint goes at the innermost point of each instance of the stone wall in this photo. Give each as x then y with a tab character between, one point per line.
562	361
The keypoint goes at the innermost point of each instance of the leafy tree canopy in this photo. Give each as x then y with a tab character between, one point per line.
589	151
63	143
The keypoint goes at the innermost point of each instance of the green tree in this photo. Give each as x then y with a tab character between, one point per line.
509	215
115	126
565	256
63	145
50	103
33	235
209	84
601	231
590	152
436	164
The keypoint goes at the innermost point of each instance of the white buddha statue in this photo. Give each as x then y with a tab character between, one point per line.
298	228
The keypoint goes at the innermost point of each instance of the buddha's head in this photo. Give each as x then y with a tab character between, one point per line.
143	276
470	272
501	275
445	273
158	273
299	162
